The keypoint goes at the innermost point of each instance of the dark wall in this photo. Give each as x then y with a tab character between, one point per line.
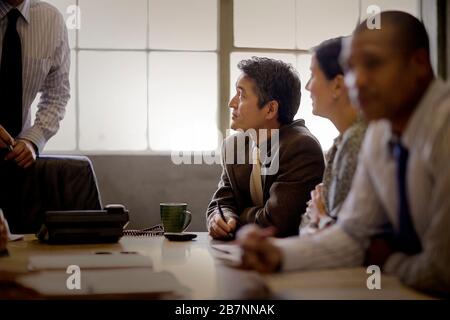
142	182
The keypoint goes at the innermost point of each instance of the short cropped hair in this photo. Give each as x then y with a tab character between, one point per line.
411	33
274	80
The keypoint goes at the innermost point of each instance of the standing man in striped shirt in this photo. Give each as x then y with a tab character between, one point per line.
35	57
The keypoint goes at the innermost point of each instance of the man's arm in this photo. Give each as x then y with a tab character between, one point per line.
429	270
55	94
300	169
224	196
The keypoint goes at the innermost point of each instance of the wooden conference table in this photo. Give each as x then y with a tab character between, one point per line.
205	277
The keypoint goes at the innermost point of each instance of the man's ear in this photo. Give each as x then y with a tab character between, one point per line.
272	110
421	61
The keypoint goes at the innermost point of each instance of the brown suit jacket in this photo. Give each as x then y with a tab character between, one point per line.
285	193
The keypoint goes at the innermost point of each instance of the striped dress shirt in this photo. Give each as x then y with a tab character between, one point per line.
373	201
45	67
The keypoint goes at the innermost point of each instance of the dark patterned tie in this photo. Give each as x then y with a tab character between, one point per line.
406	237
11	77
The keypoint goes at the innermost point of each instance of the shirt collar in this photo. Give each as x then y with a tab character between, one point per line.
431	95
24	9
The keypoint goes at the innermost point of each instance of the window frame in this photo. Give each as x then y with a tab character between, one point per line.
225	47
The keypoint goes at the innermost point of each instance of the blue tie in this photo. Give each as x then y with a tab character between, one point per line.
406	237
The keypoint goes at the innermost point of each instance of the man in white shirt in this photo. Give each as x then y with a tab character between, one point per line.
403	176
35	57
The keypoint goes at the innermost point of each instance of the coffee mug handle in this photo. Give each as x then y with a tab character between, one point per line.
187	219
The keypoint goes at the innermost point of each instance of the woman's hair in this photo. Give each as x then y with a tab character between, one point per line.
327	55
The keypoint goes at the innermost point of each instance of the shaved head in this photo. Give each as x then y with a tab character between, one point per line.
388	69
408	32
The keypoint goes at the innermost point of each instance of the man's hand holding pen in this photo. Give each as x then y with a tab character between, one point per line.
221	227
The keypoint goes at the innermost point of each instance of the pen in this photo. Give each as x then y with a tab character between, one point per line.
223	217
9	146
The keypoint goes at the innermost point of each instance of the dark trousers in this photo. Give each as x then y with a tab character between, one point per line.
52	183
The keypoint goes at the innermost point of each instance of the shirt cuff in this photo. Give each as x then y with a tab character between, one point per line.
35	135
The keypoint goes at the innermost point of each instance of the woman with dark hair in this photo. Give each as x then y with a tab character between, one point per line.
330	100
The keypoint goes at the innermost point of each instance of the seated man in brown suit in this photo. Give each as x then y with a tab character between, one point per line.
273	162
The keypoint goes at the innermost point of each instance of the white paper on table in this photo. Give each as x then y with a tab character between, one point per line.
118	281
15	237
89	261
231	254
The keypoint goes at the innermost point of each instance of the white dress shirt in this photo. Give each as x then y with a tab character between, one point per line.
373	201
45	63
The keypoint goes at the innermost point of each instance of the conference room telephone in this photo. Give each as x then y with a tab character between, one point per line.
85	226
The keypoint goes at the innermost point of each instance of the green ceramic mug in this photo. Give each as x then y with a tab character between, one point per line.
175	217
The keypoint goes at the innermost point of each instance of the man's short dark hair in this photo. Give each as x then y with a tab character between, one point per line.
411	33
274	80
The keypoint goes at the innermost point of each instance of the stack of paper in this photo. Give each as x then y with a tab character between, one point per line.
107	273
104	282
89	261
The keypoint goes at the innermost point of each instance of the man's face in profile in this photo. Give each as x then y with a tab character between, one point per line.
379	73
246	113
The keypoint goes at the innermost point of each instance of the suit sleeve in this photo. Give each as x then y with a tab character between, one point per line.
224	195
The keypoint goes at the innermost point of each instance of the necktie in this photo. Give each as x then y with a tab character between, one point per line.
11	77
406	237
256	191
